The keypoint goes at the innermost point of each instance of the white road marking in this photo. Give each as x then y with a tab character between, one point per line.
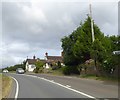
89	96
68	85
17	88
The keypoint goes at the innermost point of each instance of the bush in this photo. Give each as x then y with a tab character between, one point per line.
66	70
74	70
36	70
59	64
40	70
54	67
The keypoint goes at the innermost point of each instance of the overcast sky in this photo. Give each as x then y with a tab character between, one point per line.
33	28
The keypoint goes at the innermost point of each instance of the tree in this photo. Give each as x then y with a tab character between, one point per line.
112	63
67	45
78	47
98	53
39	66
13	68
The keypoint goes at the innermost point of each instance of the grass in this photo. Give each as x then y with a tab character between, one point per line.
6	83
87	76
12	71
102	78
0	86
59	72
54	72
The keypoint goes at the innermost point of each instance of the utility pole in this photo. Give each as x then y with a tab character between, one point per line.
93	38
90	15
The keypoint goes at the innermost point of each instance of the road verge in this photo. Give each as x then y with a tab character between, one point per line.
6	85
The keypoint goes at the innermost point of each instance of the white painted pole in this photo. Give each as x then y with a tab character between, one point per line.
92	29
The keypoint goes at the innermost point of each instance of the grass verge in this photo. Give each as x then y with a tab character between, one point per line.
54	72
6	85
0	86
102	78
87	76
59	72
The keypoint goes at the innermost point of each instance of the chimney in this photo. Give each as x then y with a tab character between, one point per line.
46	54
34	57
62	54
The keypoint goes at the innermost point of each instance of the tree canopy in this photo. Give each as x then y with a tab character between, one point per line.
78	46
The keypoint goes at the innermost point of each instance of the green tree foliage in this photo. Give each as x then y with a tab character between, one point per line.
24	65
78	46
67	45
59	64
39	66
111	62
13	68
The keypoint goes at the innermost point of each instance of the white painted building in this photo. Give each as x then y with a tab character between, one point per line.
46	66
48	62
30	64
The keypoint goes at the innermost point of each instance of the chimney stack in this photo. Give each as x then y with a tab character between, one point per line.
46	54
34	57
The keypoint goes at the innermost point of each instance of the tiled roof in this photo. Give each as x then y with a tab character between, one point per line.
42	60
31	61
54	58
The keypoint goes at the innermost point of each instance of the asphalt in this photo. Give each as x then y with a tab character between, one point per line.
96	88
39	87
34	87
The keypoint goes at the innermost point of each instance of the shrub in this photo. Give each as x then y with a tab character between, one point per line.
59	64
36	70
41	70
54	67
66	70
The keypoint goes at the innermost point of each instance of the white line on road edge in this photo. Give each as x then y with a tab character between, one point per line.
17	88
64	87
68	86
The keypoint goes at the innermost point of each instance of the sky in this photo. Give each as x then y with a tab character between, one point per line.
35	27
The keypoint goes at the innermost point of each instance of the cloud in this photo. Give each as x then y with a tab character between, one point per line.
30	28
106	16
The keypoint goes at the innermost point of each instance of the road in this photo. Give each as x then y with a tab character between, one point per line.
47	86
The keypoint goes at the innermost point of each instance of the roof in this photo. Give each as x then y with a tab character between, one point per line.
31	61
42	60
54	58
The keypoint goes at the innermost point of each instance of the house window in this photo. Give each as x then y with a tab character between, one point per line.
32	66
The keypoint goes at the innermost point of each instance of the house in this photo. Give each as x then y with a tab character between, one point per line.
53	60
49	61
30	64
